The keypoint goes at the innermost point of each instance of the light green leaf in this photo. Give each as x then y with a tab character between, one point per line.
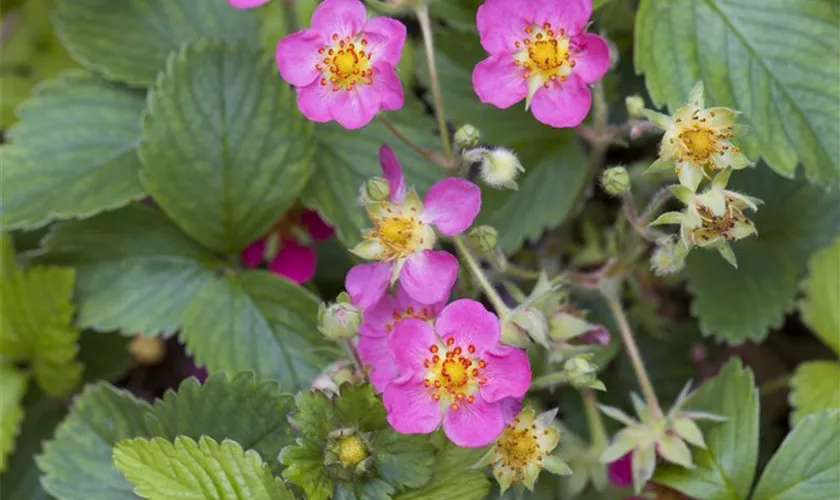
198	471
789	95
137	272
224	172
807	464
742	304
305	467
822	294
453	477
258	321
77	462
12	389
345	159
131	39
814	388
726	468
250	412
73	152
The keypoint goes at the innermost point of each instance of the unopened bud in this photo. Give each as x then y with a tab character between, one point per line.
467	137
668	258
582	374
635	105
500	168
340	320
376	189
615	180
525	325
484	238
147	350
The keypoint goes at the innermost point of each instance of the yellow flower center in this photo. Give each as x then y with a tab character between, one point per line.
351	451
453	374
397	233
700	143
544	53
516	447
456	372
345	63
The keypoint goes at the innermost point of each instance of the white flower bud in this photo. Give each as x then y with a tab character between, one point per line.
376	189
500	167
340	320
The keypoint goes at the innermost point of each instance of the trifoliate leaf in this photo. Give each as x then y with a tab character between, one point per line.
161	470
130	40
814	388
726	468
12	389
73	152
742	304
790	98
258	321
224	173
250	412
807	464
822	294
453	477
77	462
137	272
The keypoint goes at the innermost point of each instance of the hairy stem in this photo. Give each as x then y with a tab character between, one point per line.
593	419
472	263
391	126
354	355
440	114
290	18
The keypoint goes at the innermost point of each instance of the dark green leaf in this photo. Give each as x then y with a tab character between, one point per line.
453	477
305	467
403	460
105	356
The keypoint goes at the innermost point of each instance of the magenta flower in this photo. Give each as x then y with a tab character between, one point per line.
540	53
343	67
620	472
403	237
291	259
455	372
247	4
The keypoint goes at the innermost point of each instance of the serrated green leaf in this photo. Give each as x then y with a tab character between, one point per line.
725	470
736	305
360	407
807	464
305	467
789	96
403	460
453	477
250	412
814	388
73	152
130	40
13	384
261	322
77	462
822	294
199	470
345	159
225	172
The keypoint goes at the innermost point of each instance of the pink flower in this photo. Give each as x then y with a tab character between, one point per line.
621	471
455	373
402	238
540	53
292	259
343	67
247	4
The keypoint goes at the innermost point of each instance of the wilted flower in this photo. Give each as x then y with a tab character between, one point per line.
343	66
403	237
500	167
539	52
669	257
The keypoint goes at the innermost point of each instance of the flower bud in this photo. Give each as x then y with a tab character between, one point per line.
147	350
340	320
635	105
581	373
467	137
376	189
525	325
500	167
615	180
348	454
484	238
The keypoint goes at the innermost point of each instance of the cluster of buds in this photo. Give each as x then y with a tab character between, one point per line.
498	167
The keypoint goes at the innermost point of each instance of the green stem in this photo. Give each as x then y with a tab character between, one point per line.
437	96
290	18
472	263
354	355
593	419
774	385
546	381
408	142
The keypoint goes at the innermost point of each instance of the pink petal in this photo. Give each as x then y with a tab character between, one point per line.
474	425
621	471
376	354
254	253
410	345
354	108
571	15
313	101
247	4
498	81
410	407
428	276
388	87
452	205
341	17
563	104
404	301
366	283
376	320
318	229
294	261
592	57
469	323
297	55
508	373
510	408
386	38
392	172
502	22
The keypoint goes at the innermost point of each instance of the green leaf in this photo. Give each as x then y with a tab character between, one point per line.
130	40
77	462
814	388
796	220
453	477
726	468
807	464
202	470
224	172
789	95
105	356
73	152
258	321
241	408
37	325
305	467
403	460
345	159
822	294
13	384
